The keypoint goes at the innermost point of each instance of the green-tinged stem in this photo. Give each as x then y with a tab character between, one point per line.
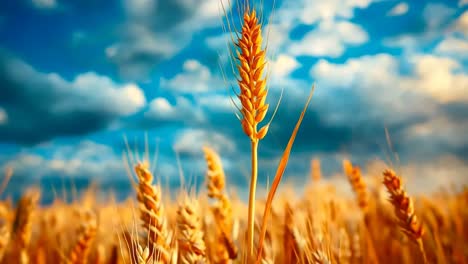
253	188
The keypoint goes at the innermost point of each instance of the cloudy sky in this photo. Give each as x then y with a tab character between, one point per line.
78	77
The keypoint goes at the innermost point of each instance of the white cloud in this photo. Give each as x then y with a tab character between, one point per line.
453	46
282	66
3	116
101	90
183	109
88	91
462	23
156	30
194	78
442	130
438	77
398	10
433	76
46	4
310	12
329	39
191	141
217	103
85	159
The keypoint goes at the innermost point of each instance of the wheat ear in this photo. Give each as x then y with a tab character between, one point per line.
253	93
4	239
143	255
22	225
357	183
152	214
315	170
404	209
86	233
225	249
190	235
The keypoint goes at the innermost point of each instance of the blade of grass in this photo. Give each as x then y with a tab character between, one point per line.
279	174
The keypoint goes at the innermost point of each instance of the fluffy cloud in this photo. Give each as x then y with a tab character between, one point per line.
217	103
440	78
156	30
282	66
161	109
191	141
462	23
411	105
329	39
325	13
310	12
86	159
453	46
194	78
45	105
398	10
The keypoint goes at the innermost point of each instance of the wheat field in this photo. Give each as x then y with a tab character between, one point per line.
382	223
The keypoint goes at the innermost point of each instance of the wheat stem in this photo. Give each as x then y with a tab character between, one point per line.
253	188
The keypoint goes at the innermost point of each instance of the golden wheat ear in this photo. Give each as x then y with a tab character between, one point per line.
86	234
4	238
404	209
22	225
192	247
224	248
152	214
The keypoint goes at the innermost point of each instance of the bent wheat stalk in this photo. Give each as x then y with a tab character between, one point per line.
404	209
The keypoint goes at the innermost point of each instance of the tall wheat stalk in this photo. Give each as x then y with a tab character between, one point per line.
253	93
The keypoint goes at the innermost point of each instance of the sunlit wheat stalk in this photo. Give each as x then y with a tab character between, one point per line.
253	94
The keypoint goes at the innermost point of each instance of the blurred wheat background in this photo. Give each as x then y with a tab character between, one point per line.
149	131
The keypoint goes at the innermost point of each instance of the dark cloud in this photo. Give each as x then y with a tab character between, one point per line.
156	30
42	106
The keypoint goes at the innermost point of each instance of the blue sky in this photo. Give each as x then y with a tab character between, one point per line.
78	76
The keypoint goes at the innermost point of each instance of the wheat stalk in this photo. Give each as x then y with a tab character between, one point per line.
253	94
404	209
190	235
152	213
